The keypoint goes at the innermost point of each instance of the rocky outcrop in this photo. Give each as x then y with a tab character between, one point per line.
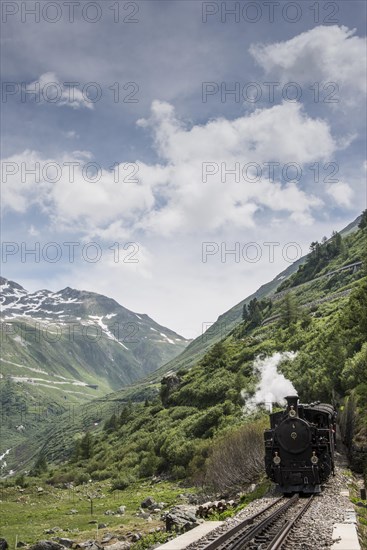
181	518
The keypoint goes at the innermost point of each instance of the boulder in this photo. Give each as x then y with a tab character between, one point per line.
46	545
89	545
65	542
121	509
144	515
119	545
169	383
181	518
149	502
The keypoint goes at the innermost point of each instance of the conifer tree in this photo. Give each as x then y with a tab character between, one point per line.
289	310
86	446
245	313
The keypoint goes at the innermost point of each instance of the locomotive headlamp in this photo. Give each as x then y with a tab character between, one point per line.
276	459
292	412
314	458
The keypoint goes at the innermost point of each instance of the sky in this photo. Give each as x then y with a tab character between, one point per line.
175	155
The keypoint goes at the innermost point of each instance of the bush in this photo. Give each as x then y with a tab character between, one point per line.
60	477
179	472
179	413
203	427
100	475
122	482
82	478
148	465
237	458
21	481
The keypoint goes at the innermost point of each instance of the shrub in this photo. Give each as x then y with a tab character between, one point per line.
237	458
178	472
82	478
100	475
21	481
148	465
122	482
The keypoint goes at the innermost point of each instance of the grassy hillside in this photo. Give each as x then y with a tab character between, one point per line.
62	349
226	322
172	426
204	425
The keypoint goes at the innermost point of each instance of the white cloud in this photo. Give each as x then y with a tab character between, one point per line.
33	232
49	89
171	196
341	192
72	134
322	54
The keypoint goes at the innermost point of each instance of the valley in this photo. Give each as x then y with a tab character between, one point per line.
177	423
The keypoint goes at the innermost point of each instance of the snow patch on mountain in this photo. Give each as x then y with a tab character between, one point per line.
166	337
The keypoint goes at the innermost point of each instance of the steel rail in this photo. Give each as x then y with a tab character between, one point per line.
233	538
251	533
288	526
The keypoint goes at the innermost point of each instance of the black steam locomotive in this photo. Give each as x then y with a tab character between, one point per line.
300	445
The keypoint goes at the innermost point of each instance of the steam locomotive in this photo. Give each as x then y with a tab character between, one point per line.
300	446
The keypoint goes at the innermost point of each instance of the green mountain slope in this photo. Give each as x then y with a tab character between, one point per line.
226	322
323	322
65	348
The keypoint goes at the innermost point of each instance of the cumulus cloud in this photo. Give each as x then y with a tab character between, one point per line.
33	231
341	192
49	89
71	134
322	54
172	195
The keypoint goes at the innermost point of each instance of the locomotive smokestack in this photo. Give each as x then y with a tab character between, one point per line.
292	404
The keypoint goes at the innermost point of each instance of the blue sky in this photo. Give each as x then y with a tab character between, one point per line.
167	139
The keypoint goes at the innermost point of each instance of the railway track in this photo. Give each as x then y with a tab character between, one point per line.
266	530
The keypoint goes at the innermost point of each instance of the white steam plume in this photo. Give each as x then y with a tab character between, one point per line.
273	386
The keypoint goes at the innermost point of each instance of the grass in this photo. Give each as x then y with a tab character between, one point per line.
361	513
26	515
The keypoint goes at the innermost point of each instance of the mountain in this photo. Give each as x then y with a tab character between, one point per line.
62	348
228	320
313	332
201	387
82	336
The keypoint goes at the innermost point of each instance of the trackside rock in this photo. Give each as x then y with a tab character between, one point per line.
46	545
